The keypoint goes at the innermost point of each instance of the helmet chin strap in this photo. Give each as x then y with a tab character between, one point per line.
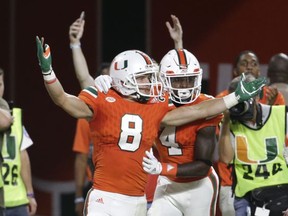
141	98
137	97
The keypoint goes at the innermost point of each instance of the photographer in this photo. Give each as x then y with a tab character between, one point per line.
252	138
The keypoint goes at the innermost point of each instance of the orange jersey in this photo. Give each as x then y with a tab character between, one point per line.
177	144
82	137
225	173
82	141
278	101
122	131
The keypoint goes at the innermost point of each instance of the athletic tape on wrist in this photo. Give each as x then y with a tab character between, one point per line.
49	77
230	100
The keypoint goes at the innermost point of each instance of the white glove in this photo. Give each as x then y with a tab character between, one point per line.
150	164
103	83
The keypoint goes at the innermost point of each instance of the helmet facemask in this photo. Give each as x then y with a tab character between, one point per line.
181	76
144	84
184	89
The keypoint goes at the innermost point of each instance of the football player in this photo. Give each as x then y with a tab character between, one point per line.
125	126
189	147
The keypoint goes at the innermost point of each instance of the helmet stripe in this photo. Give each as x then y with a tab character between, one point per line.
182	58
146	58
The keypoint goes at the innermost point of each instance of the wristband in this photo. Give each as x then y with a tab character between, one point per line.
75	46
169	169
31	195
49	76
78	200
230	100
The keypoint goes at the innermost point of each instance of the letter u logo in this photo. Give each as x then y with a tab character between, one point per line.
121	67
242	150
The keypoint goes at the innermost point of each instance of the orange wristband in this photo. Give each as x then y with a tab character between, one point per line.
169	169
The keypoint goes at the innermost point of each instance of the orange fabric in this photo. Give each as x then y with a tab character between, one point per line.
224	173
150	187
186	137
279	99
82	140
169	169
222	94
117	155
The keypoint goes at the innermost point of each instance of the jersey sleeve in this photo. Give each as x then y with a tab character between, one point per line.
210	121
88	95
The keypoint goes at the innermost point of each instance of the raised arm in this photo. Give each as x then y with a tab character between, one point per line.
70	103
81	69
175	32
208	108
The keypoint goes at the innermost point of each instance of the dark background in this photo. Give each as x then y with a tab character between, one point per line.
215	31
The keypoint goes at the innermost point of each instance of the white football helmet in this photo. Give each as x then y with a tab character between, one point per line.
134	74
181	75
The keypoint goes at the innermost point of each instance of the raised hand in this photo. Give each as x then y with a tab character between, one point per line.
45	60
76	29
44	55
247	90
175	32
271	94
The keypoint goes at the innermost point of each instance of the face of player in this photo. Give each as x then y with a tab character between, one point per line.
143	82
1	85
248	63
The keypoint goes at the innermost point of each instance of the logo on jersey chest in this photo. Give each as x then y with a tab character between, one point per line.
110	99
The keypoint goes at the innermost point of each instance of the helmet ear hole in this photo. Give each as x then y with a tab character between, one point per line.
134	74
181	75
